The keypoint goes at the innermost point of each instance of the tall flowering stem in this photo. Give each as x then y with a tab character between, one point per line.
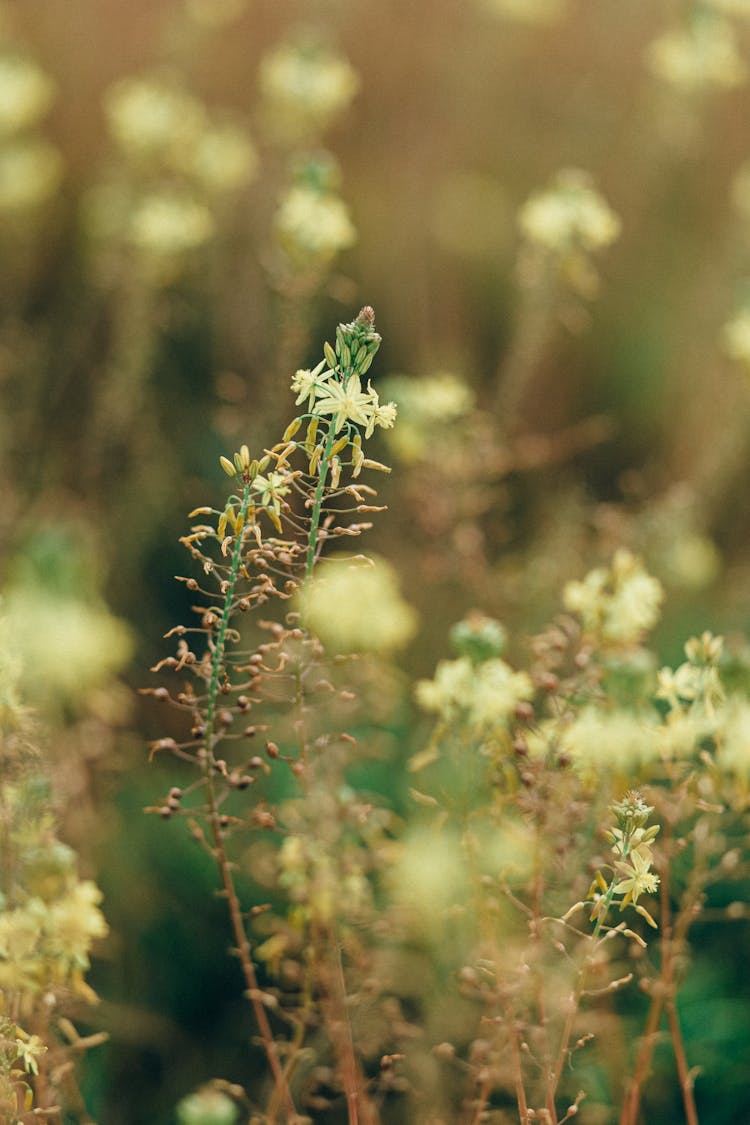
260	550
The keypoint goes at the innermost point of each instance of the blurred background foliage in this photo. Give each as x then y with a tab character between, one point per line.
548	204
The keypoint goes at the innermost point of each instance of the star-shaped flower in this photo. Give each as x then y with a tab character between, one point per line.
309	384
346	402
640	878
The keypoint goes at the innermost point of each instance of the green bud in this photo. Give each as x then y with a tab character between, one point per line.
227	466
207	1107
365	364
330	354
478	637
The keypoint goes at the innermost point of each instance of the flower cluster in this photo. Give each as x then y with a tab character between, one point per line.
698	57
430	407
696	682
569	215
631	843
313	226
305	86
482	696
357	607
179	161
333	389
49	919
617	604
30	166
563	226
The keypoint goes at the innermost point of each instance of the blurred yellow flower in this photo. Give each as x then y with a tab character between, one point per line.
356	606
152	116
222	159
619	603
569	215
170	223
313	225
699	56
66	647
30	173
483	695
26	93
306	85
735	337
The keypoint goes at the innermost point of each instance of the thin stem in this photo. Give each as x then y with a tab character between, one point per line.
225	868
360	1110
678	1046
323	468
575	998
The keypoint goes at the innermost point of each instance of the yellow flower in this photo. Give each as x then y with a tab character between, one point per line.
639	878
26	93
346	402
305	85
355	607
222	158
571	214
152	116
30	173
699	56
314	224
170	224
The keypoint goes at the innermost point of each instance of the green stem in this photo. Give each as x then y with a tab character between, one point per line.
323	468
230	892
578	993
221	637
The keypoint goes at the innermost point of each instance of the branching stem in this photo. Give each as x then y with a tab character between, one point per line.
225	868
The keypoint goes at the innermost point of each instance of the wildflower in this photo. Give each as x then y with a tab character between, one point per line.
30	1048
354	607
305	85
152	116
207	1106
483	696
479	637
26	93
30	173
733	753
571	214
619	742
307	384
699	56
347	402
170	224
426	404
639	878
735	336
271	488
68	647
619	603
223	158
313	224
385	415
